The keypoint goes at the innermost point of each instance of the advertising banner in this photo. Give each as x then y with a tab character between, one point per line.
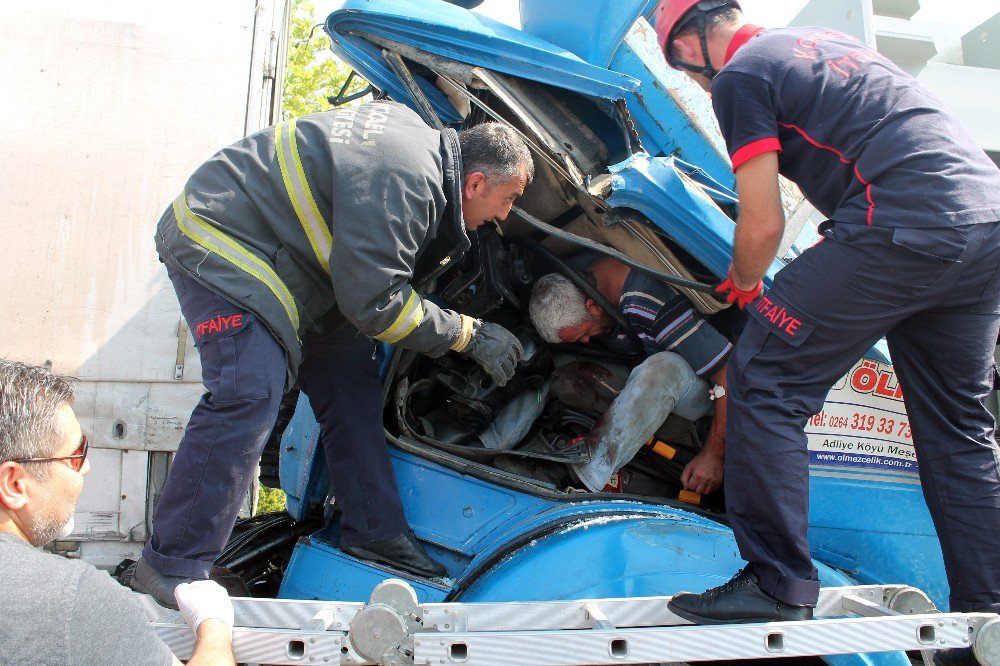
863	423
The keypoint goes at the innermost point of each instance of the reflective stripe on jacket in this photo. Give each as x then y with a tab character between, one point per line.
323	218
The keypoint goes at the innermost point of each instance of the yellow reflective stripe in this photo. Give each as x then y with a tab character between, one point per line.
210	238
409	318
297	187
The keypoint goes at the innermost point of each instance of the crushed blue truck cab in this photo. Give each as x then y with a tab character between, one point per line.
628	134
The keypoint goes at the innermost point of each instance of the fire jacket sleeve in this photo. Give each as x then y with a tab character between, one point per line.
377	236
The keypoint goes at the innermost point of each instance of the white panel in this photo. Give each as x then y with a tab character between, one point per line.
852	17
132	507
973	93
98	511
107	108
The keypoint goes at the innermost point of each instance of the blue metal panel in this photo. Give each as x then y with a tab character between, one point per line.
672	114
633	553
574	24
452	32
317	570
878	529
457	511
659	190
301	463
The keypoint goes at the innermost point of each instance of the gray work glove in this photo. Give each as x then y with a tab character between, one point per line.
496	349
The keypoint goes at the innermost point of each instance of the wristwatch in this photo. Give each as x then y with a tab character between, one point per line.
716	392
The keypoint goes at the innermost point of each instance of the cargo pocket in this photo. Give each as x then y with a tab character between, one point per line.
231	368
910	264
771	318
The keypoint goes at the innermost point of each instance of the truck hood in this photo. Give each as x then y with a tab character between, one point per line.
458	34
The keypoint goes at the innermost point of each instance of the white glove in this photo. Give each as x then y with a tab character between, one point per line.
204	600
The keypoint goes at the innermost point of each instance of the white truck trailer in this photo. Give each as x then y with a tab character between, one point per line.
107	108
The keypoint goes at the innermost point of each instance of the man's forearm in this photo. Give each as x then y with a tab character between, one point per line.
716	443
761	222
213	646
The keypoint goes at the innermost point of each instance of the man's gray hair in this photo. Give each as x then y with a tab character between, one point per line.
497	151
555	304
30	398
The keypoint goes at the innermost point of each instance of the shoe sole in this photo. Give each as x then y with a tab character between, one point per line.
171	606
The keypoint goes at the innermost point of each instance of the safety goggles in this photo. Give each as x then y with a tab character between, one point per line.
76	460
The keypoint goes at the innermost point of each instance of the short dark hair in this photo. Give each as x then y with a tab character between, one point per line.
497	151
30	397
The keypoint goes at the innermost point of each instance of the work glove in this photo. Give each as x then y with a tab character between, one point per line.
734	294
494	348
204	600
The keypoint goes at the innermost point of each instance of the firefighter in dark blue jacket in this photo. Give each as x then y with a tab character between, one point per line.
911	251
292	252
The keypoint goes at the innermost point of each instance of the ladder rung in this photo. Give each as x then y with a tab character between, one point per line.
865	607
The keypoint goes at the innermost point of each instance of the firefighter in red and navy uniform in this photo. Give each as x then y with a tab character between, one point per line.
910	251
292	252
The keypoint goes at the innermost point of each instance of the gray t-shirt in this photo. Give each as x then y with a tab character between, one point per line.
58	611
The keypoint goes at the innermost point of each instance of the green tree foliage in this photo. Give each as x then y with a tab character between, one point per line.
311	73
270	500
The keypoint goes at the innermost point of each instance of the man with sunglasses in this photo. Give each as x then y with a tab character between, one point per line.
61	611
910	251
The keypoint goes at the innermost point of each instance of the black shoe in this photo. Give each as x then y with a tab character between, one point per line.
143	578
402	551
738	601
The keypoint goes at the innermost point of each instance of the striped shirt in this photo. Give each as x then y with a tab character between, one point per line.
665	321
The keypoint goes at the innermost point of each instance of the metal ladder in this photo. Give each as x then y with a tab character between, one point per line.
393	629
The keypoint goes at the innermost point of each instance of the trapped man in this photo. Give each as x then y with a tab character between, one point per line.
683	352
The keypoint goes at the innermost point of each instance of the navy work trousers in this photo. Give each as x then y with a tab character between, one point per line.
935	295
243	370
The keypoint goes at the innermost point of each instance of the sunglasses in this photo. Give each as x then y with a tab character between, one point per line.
76	460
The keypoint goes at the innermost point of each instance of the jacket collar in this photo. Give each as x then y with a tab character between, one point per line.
452	223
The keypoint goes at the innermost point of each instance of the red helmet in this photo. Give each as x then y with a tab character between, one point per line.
670	12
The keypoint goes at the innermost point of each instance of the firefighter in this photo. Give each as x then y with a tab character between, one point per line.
910	251
292	253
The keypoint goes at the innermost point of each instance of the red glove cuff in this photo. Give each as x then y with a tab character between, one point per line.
736	295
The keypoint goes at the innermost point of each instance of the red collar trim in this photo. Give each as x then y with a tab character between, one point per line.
742	36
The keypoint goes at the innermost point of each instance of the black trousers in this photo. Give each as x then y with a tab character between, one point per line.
935	295
243	370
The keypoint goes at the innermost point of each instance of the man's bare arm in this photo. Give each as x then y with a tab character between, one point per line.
214	645
206	608
761	222
704	474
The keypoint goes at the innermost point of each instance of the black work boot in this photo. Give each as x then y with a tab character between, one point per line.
402	551
738	601
143	578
